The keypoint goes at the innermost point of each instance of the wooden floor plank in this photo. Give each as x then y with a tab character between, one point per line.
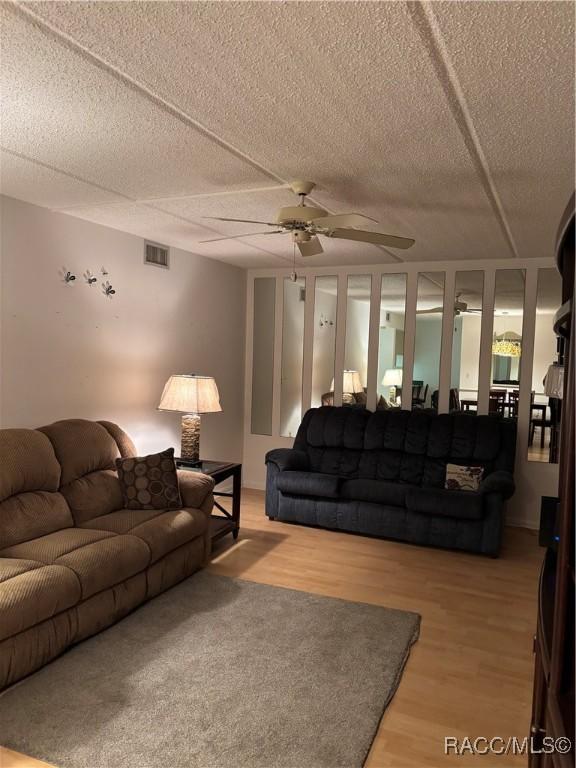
470	674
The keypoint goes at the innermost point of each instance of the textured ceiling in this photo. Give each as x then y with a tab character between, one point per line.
452	123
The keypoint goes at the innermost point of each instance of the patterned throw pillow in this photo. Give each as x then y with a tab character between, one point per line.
150	482
463	478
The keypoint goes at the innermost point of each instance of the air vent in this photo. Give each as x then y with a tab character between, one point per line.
157	255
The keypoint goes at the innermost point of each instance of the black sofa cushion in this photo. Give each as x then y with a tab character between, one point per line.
500	482
437	501
410	447
377	491
308	484
288	458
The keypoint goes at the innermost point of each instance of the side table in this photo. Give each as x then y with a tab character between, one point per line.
226	522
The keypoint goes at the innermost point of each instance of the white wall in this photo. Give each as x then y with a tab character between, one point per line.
324	345
68	351
427	352
357	325
292	355
469	352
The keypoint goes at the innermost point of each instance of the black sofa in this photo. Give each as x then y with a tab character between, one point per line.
383	474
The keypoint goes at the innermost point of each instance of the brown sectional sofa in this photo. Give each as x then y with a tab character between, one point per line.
72	560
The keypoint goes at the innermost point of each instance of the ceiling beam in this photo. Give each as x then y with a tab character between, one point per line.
426	24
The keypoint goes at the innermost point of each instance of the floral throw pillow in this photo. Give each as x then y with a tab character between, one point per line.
150	482
460	478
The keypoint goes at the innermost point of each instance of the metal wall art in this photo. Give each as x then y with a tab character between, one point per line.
69	278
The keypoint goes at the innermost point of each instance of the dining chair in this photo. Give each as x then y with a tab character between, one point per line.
513	397
497	401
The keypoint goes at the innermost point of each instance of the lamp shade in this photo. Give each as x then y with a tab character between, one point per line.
351	382
554	382
392	377
507	344
190	393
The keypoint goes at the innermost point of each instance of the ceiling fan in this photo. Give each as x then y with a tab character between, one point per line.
460	307
304	223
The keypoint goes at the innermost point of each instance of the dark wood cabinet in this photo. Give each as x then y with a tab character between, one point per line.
553	699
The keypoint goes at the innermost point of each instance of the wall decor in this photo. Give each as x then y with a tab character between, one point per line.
104	272
89	278
67	276
107	289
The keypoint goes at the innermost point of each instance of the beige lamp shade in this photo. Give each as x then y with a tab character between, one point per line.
351	382
392	377
190	393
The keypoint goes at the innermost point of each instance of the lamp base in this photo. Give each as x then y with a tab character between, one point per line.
190	447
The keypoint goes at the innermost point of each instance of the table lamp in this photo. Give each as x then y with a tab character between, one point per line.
351	383
191	395
392	378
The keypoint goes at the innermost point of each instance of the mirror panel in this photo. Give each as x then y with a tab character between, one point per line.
357	331
468	293
263	355
324	343
292	356
391	339
545	410
507	342
428	341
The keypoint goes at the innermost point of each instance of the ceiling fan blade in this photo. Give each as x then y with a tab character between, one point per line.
235	237
377	238
343	220
433	311
241	221
311	248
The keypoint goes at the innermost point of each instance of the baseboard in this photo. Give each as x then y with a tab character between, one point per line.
517	522
254	485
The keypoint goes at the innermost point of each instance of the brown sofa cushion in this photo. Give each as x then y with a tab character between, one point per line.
81	447
149	482
162	531
29	478
93	495
99	559
29	515
31	592
196	490
123	441
28	463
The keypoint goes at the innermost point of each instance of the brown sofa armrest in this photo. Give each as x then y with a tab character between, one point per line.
196	490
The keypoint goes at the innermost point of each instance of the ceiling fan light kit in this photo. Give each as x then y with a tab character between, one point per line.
306	222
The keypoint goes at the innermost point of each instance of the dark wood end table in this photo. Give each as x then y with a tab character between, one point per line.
226	522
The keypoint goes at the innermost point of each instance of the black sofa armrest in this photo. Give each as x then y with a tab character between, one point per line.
288	458
500	482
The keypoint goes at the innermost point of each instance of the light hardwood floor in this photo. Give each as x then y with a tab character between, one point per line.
469	674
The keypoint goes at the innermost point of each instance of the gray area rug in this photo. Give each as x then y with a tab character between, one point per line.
217	673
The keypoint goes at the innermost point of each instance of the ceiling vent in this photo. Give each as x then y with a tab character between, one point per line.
156	254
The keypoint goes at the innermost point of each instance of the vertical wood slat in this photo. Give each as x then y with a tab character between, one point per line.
373	341
526	362
409	339
250	358
446	343
308	351
277	381
340	337
487	324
